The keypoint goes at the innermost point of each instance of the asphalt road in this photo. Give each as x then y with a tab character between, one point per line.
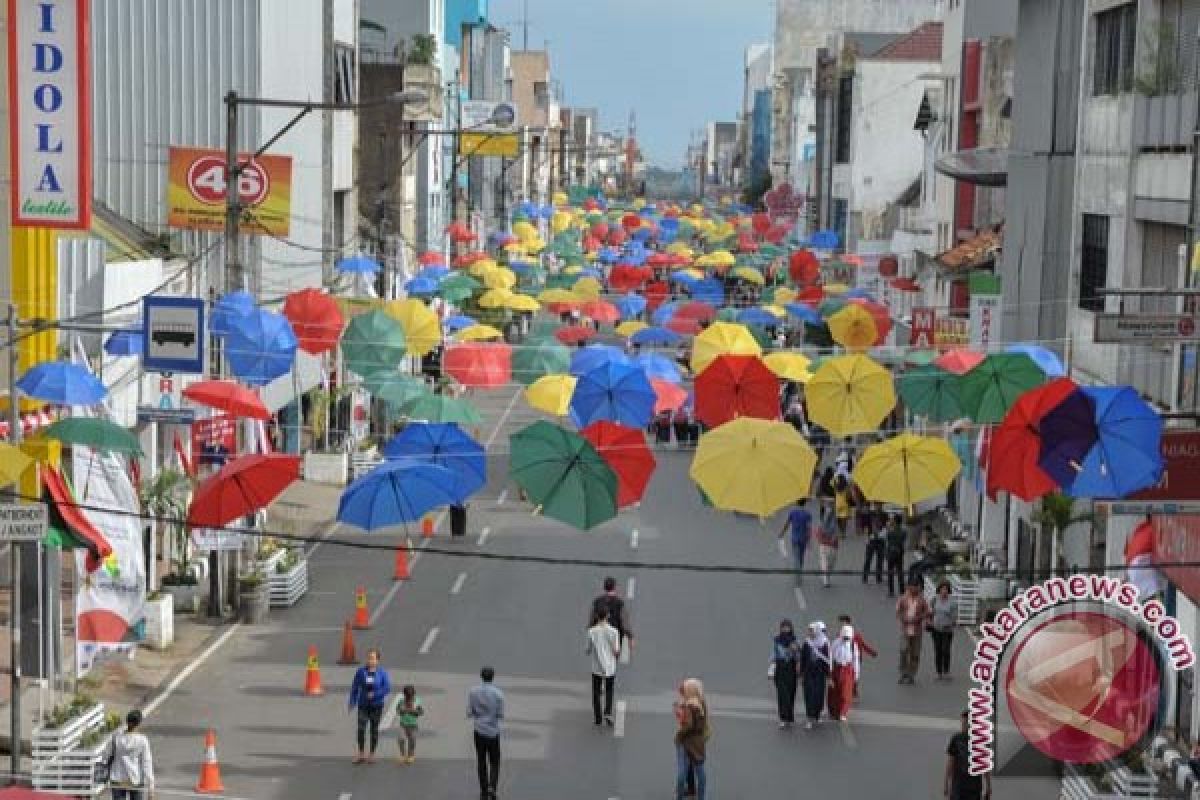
527	620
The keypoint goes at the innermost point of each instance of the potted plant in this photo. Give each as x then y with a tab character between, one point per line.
287	577
253	596
1056	514
160	619
165	499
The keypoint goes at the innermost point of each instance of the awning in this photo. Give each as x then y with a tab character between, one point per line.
982	166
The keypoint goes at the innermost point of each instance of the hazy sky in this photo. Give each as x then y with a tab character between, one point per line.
678	63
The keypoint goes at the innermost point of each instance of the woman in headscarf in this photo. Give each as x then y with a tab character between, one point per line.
814	672
847	662
784	653
691	739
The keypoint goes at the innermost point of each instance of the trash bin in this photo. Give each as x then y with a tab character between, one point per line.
458	520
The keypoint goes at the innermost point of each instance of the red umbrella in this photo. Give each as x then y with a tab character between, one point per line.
879	313
1012	458
563	306
460	233
624	450
626	278
736	386
659	260
600	230
960	361
315	318
228	396
591	243
601	311
656	294
467	259
481	364
617	237
687	326
697	310
777	233
804	267
905	285
670	397
631	222
746	243
429	258
591	204
574	334
811	295
761	223
20	793
241	487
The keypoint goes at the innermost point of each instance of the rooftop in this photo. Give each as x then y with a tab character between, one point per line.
922	44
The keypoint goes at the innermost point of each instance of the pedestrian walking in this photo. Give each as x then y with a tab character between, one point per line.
943	617
842	501
847	664
815	666
785	652
408	711
800	522
827	544
611	602
876	544
485	709
895	541
864	647
368	695
604	646
130	762
691	739
912	611
958	783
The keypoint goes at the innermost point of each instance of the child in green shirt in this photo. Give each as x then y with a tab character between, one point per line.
408	710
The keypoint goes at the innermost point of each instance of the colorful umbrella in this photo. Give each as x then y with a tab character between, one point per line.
440	408
625	451
594	356
1127	456
96	433
803	267
736	386
989	390
696	310
373	342
656	337
261	347
552	394
853	327
656	365
932	392
1012	457
564	475
228	396
242	487
906	470
396	493
229	307
601	311
617	392
722	338
358	264
575	334
1068	432
789	366
630	305
668	396
479	333
1047	360
316	320
850	394
960	361
395	388
538	357
522	302
13	464
125	343
478	364
62	383
446	445
753	466
630	327
422	328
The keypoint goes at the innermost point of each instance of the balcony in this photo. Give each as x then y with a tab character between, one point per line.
1164	121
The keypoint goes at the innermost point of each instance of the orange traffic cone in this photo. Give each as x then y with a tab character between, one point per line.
427	526
348	654
210	770
312	675
362	620
401	573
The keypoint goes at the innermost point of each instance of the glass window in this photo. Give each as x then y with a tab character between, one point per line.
1093	269
1112	61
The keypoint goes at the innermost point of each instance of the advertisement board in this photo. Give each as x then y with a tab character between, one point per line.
196	191
505	145
50	113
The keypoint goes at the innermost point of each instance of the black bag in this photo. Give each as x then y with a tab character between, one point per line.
103	769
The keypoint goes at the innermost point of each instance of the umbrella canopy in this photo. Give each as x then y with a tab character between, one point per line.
850	394
630	305
757	316
13	463
96	433
241	487
719	339
459	322
753	466
668	396
358	264
483	365
373	342
601	311
316	320
1047	360
803	267
552	394
446	445
617	392
457	287
421	286
229	307
440	408
422	328
522	302
789	366
1012	457
1068	432
960	361
804	313
479	333
395	388
574	334
853	327
736	386
536	358
125	343
1127	455
594	356
396	493
696	310
655	337
625	451
906	470
261	347
563	474
989	390
658	366
62	383
932	392
630	327
228	396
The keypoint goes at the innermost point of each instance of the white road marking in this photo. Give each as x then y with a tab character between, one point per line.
633	539
383	604
345	796
626	654
848	735
503	496
483	534
500	422
189	669
783	553
800	601
631	588
430	638
321	537
619	721
458	583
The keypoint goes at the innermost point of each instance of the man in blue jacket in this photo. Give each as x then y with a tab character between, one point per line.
368	694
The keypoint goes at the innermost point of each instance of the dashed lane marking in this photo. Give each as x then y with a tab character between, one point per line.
619	721
430	638
800	601
503	496
458	583
848	735
631	588
783	553
483	535
633	539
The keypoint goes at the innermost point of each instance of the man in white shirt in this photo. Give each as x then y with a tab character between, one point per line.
131	770
604	645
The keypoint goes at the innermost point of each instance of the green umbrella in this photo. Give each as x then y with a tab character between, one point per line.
457	287
563	474
728	314
831	306
932	392
94	432
989	390
561	281
921	358
440	408
395	388
540	357
373	342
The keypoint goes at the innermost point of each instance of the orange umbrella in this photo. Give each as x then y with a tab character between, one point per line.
601	311
960	361
669	396
484	365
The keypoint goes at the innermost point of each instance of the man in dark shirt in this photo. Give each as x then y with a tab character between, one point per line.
800	521
958	783
614	606
896	540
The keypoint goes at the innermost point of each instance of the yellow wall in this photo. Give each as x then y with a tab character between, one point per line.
35	291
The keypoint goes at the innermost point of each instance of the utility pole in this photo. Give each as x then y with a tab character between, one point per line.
14	550
233	277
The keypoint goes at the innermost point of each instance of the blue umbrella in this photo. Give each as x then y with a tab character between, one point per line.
662	315
261	347
1067	433
520	267
446	445
1047	360
759	317
618	392
125	343
607	255
709	290
421	286
656	337
358	264
679	276
62	383
861	294
1126	456
594	356
458	322
656	365
804	313
434	272
642	234
397	492
630	305
228	308
825	240
588	272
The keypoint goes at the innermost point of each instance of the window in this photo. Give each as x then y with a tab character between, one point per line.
345	85
1112	68
1093	270
845	112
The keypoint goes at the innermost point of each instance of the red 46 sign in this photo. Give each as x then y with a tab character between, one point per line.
196	191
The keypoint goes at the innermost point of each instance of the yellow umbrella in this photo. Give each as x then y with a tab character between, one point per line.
680	249
559	199
495	298
850	394
13	464
559	296
523	230
560	221
836	288
853	327
906	470
523	302
789	366
482	267
573	269
721	338
778	311
753	466
422	328
785	295
588	287
750	275
478	333
692	272
500	278
630	327
552	394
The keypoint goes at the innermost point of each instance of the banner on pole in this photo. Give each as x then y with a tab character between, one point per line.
196	191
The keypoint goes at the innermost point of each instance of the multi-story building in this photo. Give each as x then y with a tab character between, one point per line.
486	74
756	115
720	154
539	121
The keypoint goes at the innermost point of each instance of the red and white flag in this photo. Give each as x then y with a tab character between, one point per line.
1139	557
185	460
